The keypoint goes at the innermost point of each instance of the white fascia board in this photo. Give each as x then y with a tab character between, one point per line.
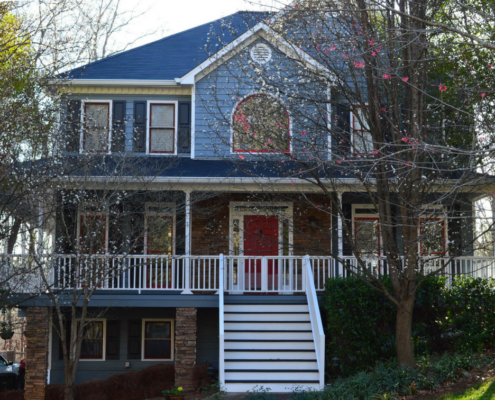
189	78
115	82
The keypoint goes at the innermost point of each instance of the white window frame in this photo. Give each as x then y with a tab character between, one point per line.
172	338
110	122
371	215
104	348
353	119
175	103
255	152
82	212
149	213
237	214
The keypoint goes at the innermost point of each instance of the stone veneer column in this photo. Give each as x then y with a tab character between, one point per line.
185	346
37	331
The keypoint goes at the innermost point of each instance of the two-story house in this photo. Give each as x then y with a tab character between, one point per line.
214	266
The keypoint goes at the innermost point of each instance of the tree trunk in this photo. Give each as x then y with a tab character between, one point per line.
404	341
69	390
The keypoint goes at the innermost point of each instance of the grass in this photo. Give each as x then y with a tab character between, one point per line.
478	392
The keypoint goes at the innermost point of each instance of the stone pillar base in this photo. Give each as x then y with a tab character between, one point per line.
185	347
37	332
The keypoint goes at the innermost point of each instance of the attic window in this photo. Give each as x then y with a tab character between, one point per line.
261	124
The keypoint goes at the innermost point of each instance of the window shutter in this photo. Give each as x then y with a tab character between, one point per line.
73	128
118	127
343	129
184	127
139	137
113	340
134	340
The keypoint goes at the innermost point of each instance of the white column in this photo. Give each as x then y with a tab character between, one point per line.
187	271
340	232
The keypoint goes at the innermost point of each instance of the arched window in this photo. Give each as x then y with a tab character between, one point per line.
261	124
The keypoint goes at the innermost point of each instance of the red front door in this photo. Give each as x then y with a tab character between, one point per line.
260	239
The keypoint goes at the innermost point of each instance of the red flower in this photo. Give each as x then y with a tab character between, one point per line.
442	87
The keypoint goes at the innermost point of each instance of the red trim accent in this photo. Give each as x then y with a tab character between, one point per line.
109	127
260	151
158	252
157	127
443	236
369	219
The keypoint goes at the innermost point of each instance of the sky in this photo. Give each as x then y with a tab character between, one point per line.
166	17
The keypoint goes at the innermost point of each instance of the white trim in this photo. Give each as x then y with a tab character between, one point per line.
235	214
149	213
286	48
114	82
148	122
104	346
172	338
255	152
371	215
193	123
81	212
110	123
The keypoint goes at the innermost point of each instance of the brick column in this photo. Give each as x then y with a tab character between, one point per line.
37	328
185	347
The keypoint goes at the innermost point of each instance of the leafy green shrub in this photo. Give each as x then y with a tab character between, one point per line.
360	322
388	381
260	393
471	313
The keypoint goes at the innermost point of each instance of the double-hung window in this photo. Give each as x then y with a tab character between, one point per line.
93	342
92	230
162	127
432	233
160	233
362	141
96	126
158	339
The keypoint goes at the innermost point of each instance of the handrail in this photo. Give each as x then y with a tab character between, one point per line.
221	368
316	324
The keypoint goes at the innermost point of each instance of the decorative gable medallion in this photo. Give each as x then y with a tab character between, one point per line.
261	53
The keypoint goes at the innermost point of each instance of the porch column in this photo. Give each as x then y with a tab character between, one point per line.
185	346
187	272
492	204
340	241
37	334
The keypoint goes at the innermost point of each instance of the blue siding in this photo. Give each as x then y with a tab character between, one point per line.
218	93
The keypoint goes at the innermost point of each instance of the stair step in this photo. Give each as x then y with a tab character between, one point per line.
268	335
266	307
238	387
267	365
269	345
278	371
267	317
277	326
273	376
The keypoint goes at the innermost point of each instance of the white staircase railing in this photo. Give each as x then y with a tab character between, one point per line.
221	360
316	324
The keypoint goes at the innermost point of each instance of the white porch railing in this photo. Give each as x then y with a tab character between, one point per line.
242	274
316	324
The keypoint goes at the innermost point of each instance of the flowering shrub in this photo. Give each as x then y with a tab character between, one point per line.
173	390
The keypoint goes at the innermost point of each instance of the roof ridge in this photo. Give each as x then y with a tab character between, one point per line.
70	72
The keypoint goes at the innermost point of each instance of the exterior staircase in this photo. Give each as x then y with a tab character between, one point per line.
269	345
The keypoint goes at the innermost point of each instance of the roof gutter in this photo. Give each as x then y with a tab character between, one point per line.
114	82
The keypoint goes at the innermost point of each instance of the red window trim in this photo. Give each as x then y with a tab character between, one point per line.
379	231
84	130
86	216
169	340
150	128
234	150
357	130
149	267
443	236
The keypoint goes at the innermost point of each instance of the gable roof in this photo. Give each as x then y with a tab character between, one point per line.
172	56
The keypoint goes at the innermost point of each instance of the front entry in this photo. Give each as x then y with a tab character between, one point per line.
261	238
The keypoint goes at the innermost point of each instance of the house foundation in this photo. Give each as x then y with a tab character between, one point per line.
37	334
185	346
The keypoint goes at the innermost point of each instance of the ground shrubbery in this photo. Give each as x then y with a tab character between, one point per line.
360	322
387	381
147	383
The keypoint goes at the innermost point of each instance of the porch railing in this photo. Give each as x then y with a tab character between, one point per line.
242	274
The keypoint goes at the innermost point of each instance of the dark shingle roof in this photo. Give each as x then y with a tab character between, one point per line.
172	56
